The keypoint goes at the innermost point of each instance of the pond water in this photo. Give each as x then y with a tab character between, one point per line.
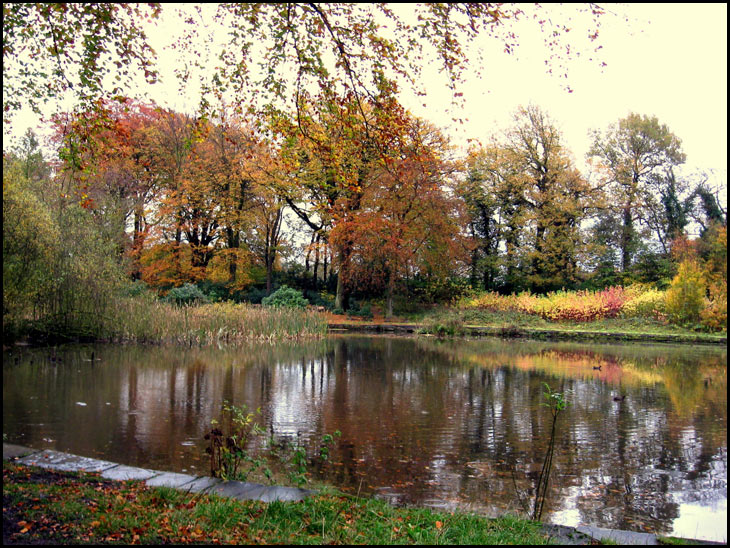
452	424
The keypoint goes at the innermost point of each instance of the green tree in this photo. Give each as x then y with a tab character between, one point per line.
629	155
30	244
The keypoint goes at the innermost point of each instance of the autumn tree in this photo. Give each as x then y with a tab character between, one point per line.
630	155
556	194
113	170
95	50
407	224
234	148
170	146
331	147
527	202
265	240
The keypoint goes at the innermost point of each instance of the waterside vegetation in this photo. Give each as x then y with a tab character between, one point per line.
70	508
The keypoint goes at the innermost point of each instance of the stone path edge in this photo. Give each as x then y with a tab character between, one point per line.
57	460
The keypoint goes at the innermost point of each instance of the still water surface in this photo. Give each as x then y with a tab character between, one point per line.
642	445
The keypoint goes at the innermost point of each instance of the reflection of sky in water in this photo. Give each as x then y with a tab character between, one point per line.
296	396
695	521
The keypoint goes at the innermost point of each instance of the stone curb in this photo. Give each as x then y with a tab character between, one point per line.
66	462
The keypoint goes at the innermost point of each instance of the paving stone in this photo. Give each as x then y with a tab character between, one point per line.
255	491
201	484
12	451
66	462
170	479
284	494
619	537
124	473
239	489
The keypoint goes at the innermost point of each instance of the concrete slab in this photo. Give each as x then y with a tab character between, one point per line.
170	479
284	494
12	451
66	462
619	537
124	473
201	485
238	489
255	491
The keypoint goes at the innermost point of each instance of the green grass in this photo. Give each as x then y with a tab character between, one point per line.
675	541
41	506
510	320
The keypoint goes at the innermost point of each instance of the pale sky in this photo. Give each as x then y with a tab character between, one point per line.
669	60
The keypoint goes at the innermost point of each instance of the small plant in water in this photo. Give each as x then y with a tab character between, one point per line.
229	454
294	458
557	403
231	458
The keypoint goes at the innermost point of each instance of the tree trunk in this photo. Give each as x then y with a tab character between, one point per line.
341	295
316	263
389	296
626	238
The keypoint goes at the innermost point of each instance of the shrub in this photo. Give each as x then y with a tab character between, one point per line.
254	295
582	306
360	311
685	297
714	316
136	288
186	294
647	303
285	297
320	298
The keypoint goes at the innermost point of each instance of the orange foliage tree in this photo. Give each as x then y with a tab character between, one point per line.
408	222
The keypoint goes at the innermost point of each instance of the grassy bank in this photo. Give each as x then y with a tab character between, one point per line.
457	322
41	506
635	313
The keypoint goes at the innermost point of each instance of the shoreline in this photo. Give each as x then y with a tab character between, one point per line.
512	332
200	485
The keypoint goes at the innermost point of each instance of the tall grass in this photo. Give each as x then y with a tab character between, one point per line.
142	319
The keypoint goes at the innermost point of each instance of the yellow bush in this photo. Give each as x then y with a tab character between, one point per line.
649	303
714	316
685	298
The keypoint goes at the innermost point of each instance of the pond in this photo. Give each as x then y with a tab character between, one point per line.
452	424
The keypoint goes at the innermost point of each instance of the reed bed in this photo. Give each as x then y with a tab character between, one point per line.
152	321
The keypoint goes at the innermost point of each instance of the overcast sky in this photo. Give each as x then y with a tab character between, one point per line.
668	60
